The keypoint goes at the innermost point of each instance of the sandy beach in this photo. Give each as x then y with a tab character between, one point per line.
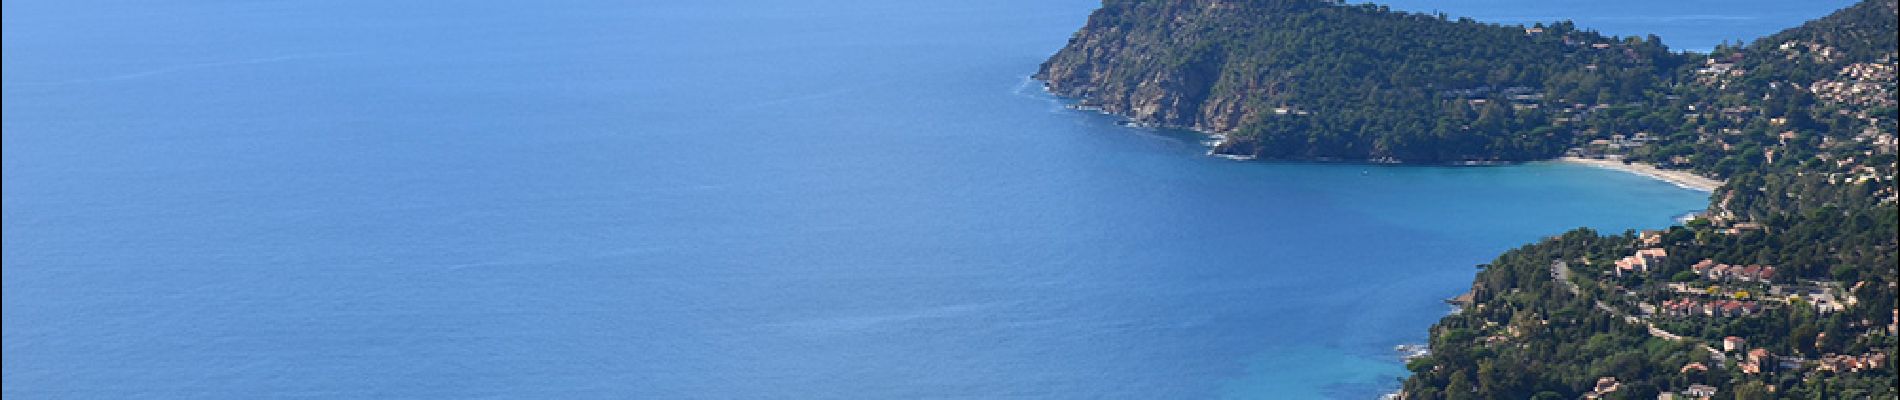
1681	178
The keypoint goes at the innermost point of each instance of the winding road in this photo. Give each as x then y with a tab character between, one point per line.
1560	271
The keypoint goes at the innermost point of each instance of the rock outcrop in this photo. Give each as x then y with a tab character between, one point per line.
1164	75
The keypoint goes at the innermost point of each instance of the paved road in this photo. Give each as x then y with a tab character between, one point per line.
1560	271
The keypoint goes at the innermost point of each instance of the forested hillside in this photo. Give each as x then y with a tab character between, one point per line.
1802	124
1784	288
1309	79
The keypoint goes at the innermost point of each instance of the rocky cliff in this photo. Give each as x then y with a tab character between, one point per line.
1162	73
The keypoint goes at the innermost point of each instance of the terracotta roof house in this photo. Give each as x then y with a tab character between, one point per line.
1694	366
1702	266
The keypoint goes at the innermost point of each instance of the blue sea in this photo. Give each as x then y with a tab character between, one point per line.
720	199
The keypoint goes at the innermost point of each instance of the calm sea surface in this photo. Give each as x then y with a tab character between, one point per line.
706	199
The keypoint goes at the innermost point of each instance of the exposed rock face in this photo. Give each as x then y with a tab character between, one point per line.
1134	70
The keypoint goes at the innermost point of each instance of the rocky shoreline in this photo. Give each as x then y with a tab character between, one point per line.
1223	145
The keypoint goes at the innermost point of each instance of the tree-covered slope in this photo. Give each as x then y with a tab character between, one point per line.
1313	79
1803	125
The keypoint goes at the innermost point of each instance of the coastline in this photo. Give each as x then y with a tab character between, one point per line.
1680	178
1213	140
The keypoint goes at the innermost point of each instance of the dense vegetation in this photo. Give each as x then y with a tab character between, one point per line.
1810	171
1801	124
1317	79
1524	336
1775	98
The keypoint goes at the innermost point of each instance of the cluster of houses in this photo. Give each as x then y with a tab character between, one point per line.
1824	296
1714	308
1713	69
1851	363
1643	261
1759	360
1723	272
1717	70
1859	84
1739	227
1821	53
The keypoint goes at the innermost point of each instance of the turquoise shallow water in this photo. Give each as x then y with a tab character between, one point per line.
728	199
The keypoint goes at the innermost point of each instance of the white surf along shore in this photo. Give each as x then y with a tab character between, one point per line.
1681	178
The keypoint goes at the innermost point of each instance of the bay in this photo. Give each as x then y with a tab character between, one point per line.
710	199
